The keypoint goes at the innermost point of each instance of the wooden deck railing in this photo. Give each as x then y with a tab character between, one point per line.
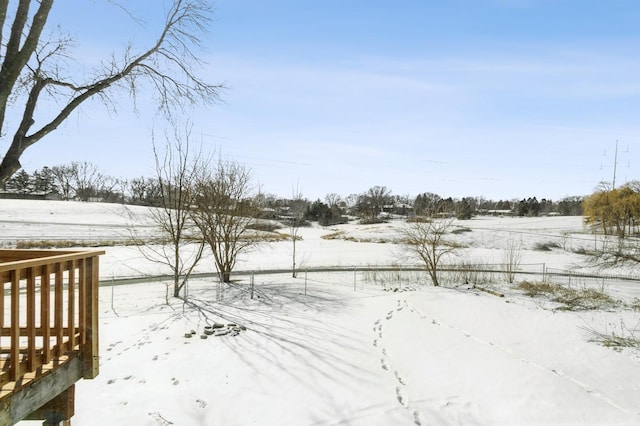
49	314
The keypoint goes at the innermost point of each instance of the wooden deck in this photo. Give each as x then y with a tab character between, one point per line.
48	331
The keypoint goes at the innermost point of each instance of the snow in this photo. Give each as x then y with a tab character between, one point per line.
338	349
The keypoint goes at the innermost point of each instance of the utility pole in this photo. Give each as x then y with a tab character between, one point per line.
615	166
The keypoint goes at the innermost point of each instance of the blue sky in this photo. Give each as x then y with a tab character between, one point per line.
496	98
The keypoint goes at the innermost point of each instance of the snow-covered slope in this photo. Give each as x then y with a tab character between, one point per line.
329	348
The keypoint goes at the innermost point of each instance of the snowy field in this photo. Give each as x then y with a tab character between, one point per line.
344	348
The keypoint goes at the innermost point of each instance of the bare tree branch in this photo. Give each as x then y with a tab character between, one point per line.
167	65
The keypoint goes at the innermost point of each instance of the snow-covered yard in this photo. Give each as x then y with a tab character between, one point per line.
350	351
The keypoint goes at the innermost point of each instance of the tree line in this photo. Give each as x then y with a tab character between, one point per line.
83	181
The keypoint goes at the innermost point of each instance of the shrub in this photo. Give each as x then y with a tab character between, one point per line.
264	226
546	246
460	230
570	299
372	221
533	289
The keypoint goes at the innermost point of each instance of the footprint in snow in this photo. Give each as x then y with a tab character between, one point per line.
400	396
417	418
399	378
384	365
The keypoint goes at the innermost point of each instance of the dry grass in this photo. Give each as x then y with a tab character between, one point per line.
333	236
340	235
547	246
570	299
617	337
61	244
275	236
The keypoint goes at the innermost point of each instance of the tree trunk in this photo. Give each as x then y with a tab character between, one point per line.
176	289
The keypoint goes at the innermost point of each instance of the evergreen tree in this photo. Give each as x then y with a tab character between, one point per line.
43	181
464	209
20	183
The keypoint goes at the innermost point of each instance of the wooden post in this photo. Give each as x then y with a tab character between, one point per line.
90	354
31	320
45	313
71	308
15	372
57	309
58	411
82	294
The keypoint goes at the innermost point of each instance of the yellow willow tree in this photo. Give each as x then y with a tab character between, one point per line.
615	212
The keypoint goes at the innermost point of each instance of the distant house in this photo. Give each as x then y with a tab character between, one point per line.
500	213
6	195
400	209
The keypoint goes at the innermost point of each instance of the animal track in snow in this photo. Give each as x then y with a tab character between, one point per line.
416	418
399	378
385	362
384	365
402	399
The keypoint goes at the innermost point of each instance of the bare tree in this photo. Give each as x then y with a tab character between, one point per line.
371	203
427	242
32	84
224	211
86	179
63	178
511	256
427	204
332	199
296	219
177	172
144	190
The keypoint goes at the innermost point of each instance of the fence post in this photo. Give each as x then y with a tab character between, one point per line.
355	271
252	279
112	290
305	281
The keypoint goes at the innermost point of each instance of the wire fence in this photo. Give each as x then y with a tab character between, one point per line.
396	276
